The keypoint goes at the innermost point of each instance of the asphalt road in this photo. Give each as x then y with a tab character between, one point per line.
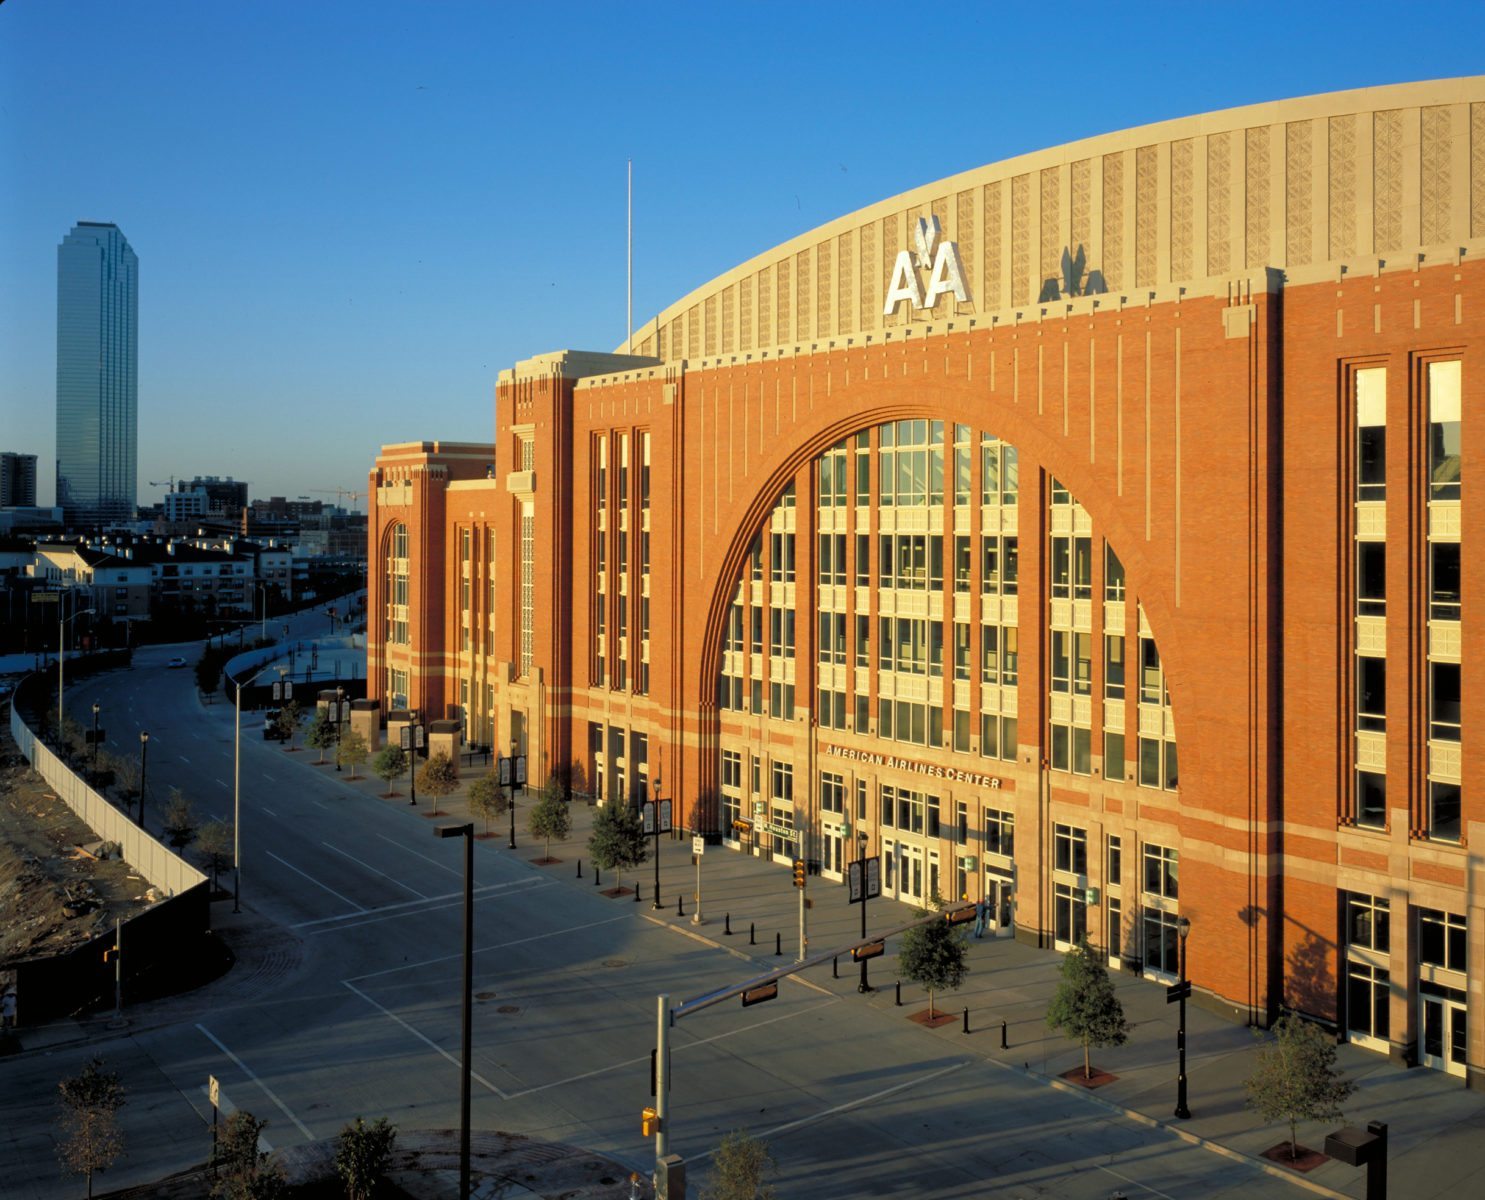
345	1002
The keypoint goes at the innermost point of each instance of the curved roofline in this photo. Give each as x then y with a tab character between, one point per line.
1272	114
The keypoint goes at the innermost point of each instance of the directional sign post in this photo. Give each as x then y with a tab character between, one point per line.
864	881
698	849
656	815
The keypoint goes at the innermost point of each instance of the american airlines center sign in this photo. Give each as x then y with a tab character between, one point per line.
913	765
939	258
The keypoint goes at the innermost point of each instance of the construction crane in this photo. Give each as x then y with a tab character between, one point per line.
167	484
341	494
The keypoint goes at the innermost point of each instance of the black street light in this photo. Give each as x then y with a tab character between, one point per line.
95	743
144	746
865	985
339	704
465	831
1183	927
409	739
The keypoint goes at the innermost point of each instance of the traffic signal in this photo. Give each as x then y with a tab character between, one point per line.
870	950
799	872
649	1123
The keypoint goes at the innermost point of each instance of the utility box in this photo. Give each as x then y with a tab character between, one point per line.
670	1178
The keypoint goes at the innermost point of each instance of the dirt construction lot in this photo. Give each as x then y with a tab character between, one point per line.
55	892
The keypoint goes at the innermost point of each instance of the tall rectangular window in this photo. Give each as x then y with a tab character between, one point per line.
1113	574
528	592
1371	579
1371	434
1443	430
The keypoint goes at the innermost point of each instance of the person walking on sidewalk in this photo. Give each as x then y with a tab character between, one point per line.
7	1013
980	918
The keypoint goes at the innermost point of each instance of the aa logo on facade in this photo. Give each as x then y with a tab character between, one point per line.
940	259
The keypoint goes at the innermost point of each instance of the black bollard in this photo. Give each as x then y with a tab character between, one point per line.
1003	1044
835	968
727	929
966	1020
636	891
778	945
752	934
899	993
679	910
595	875
580	868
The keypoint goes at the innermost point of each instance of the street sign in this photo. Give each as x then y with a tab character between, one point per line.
278	691
778	831
288	689
404	735
418	736
648	811
520	770
504	772
873	881
1178	991
759	994
214	1090
698	845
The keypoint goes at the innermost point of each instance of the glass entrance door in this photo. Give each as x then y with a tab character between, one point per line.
832	863
999	897
1444	1033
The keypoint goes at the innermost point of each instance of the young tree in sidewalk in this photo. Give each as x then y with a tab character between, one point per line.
1296	1079
286	725
352	750
321	735
549	817
740	1170
389	764
362	1155
1085	1006
933	956
618	839
438	778
244	1171
91	1140
214	844
180	820
487	799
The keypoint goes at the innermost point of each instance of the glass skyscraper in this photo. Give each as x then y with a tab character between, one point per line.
97	374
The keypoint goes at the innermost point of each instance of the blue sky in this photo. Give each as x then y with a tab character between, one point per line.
351	216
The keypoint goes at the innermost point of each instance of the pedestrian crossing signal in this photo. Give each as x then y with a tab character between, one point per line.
799	872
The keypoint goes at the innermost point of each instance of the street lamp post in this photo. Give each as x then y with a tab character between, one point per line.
262	590
865	985
339	703
62	623
1183	926
466	831
95	743
144	746
237	788
409	739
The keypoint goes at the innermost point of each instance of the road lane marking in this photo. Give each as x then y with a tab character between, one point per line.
268	777
1135	1182
220	783
316	882
270	812
432	1045
185	760
428	962
716	1037
374	871
267	1091
790	1126
424	857
317	804
403	908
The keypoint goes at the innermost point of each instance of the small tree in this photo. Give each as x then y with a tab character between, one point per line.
362	1156
438	777
389	764
934	957
740	1170
618	839
1085	1006
180	820
286	724
352	751
214	844
1296	1078
321	734
549	816
245	1172
487	799
91	1140
125	776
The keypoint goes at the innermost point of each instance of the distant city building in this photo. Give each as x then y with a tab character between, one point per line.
17	480
97	374
184	505
224	497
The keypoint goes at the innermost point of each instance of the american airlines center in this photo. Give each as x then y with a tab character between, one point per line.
1083	533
